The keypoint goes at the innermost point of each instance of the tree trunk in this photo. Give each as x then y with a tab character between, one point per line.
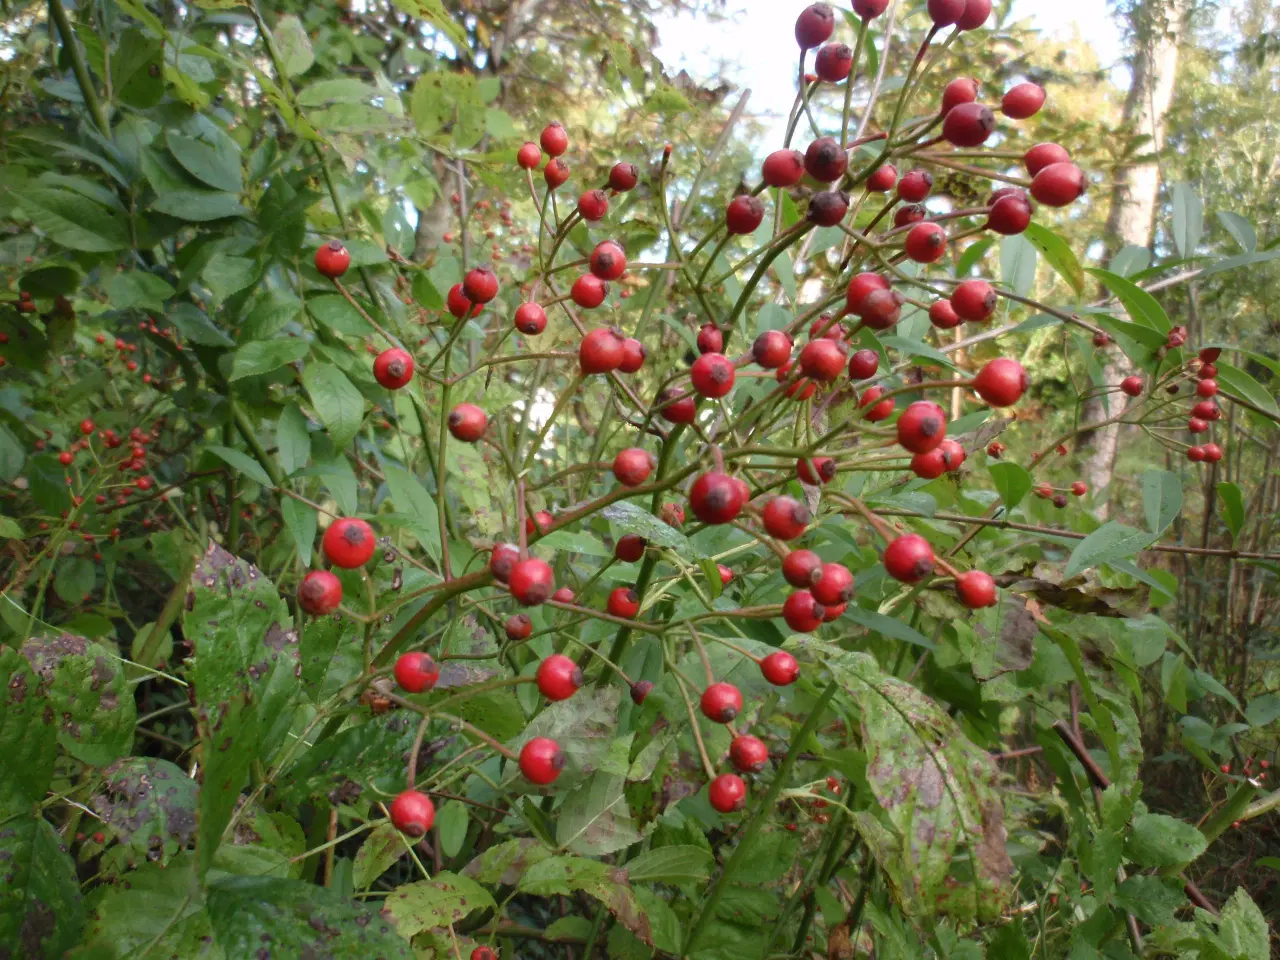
1158	26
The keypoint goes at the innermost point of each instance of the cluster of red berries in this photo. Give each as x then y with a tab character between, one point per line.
1204	410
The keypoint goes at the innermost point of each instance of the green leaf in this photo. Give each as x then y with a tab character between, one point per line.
1012	482
337	402
630	518
1111	541
41	911
915	348
379	852
443	900
1058	253
888	626
296	56
1017	264
1235	380
293	439
150	806
215	164
411	498
225	275
242	462
1152	900
434	12
199	206
297	919
370	753
1263	710
1232	507
75	579
1141	306
452	823
594	818
674	864
12	454
1161	499
1242	928
137	288
1241	230
563	876
573	541
84	684
504	863
195	325
160	908
9	529
1160	841
972	255
75	221
28	744
338	315
301	521
1188	218
1130	259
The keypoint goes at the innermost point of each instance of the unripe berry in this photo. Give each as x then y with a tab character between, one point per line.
588	291
1001	382
825	160
558	677
909	558
828	208
823	359
715	498
863	364
629	548
968	125
915	185
333	259
814	26
623	177
319	593
801	568
815	470
1022	101
416	672
541	760
501	561
632	466
412	813
518	627
1131	386
771	349
976	589
554	140
1058	184
593	205
833	62
529	156
785	518
608	261
743	214
530	319
633	355
802	612
880	409
531	582
748	753
721	702
944	13
1010	214
712	375
833	586
1043	155
780	668
727	793
958	91
783	168
675	408
943	316
922	426
348	543
974	300
555	173
926	242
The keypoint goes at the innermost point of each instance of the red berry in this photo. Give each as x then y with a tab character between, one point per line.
882	179
563	595
393	368
968	125
319	593
554	140
633	355
348	542
593	205
1209	355
860	287
953	455
929	466
531	581
624	602
1206	410
675	408
332	260
608	260
1212	452
458	303
1196	425
926	242
1058	184
412	813
1132	386
726	575
748	753
555	173
744	214
922	426
863	364
780	668
480	284
869	9
710	339
995	449
1001	382
802	612
833	586
796	387
1079	488
484	953
416	672
801	568
502	559
1010	214
958	91
529	156
943	315
915	185
814	26
833	62
66	458
1043	155
558	677
881	309
538	523
721	702
630	548
974	300
771	349
1205	388
1207	371
825	160
467	422
518	627
815	470
727	793
87	427
632	466
1022	101
530	319
623	177
944	13
783	168
713	375
639	690
715	498
975	14
909	558
785	518
823	359
976	589
909	214
541	760
600	350
1195	454
589	291
828	208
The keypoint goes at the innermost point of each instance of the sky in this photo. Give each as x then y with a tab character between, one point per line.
749	43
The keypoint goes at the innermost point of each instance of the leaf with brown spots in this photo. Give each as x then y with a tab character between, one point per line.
41	912
444	899
28	744
506	863
150	805
561	876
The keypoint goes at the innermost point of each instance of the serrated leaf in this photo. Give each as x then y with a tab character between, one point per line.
241	462
412	499
41	910
160	907
505	863
1161	499
1242	928
137	288
434	12
28	744
74	221
671	864
1263	710
338	404
380	850
1157	840
916	348
443	900
296	55
301	521
293	439
562	876
199	206
1111	541
75	579
216	164
594	818
630	518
